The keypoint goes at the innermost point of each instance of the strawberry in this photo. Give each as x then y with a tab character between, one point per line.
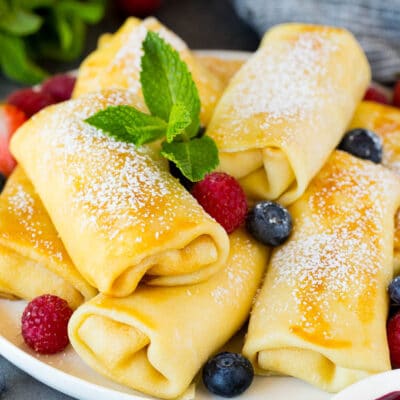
140	8
11	118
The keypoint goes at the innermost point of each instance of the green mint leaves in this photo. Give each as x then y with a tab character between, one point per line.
32	30
173	101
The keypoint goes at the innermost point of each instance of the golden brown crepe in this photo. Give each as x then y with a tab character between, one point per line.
286	109
116	64
161	336
119	212
385	122
224	68
321	312
33	260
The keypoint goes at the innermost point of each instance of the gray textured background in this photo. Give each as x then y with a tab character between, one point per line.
202	24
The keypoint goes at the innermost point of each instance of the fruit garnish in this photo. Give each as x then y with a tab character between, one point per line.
394	290
11	118
396	95
60	87
362	143
44	324
140	8
228	374
269	223
30	101
393	337
373	94
390	396
174	104
223	198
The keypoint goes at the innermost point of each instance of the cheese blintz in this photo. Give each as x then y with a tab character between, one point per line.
383	120
162	336
117	63
287	108
119	212
321	313
33	260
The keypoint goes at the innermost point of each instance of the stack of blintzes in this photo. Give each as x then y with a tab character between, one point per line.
108	217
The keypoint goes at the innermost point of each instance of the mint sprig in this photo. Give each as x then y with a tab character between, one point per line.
174	104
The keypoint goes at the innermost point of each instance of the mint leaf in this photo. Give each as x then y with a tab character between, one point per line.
179	120
127	124
20	22
166	80
89	12
15	63
195	158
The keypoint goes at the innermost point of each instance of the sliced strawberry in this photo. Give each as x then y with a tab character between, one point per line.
11	118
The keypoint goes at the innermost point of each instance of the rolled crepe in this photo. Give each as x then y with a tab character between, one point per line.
119	212
33	260
161	336
385	122
116	64
224	68
286	109
321	312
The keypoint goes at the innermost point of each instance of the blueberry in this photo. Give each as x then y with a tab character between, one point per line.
394	290
269	223
228	374
362	143
3	181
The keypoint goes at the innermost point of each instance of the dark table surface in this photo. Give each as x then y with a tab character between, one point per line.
203	24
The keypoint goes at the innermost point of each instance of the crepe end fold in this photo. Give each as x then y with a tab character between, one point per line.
119	212
33	260
202	251
321	312
158	338
286	109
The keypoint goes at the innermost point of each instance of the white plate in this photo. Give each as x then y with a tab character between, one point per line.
67	373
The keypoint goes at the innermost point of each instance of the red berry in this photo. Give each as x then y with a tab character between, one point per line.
373	94
140	8
44	324
393	337
30	101
396	95
60	87
223	198
11	118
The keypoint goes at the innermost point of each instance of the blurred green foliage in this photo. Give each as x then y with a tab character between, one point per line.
33	30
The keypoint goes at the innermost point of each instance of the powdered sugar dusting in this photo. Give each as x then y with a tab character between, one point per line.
337	250
112	185
127	60
22	206
287	82
237	275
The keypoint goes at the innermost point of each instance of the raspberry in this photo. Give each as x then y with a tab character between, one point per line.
393	337
373	94
139	8
59	86
223	198
396	95
30	101
44	324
